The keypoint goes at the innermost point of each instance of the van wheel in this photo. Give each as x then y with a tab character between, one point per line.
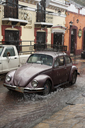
47	88
74	77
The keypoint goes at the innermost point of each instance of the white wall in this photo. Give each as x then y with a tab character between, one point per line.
72	8
62	1
82	11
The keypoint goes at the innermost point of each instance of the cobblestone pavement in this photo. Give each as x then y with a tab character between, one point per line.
63	108
72	116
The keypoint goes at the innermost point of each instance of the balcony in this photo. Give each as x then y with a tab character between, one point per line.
12	15
48	22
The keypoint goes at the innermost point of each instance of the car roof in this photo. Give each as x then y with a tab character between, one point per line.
51	53
7	45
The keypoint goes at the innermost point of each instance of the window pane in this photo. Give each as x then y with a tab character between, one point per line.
61	61
56	64
9	52
67	59
1	49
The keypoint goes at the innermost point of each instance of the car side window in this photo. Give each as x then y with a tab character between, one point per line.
56	63
9	52
61	61
68	60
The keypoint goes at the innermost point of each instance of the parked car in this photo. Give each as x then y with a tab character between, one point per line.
43	72
83	54
10	59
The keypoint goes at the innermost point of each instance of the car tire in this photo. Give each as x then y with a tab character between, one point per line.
47	87
10	90
74	77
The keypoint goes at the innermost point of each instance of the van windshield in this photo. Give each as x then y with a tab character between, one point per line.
1	49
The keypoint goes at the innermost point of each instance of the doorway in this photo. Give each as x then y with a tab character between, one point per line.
12	37
73	41
58	38
41	37
84	41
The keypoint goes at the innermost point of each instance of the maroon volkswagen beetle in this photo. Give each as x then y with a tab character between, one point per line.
43	72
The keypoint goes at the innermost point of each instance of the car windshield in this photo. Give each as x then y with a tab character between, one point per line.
41	59
1	49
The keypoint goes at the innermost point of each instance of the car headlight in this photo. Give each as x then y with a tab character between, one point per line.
8	78
34	83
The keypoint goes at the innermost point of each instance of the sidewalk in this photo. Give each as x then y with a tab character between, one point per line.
72	116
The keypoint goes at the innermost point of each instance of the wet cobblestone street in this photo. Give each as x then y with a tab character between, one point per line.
26	110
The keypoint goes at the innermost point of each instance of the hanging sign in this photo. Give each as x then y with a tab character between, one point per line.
80	33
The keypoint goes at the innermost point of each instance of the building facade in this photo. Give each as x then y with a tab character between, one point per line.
75	29
19	22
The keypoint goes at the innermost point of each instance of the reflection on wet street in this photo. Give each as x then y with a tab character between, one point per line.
26	110
80	63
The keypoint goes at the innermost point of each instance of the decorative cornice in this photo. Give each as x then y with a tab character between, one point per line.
56	4
78	6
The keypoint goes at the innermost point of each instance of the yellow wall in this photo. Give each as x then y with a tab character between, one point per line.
57	20
28	30
28	33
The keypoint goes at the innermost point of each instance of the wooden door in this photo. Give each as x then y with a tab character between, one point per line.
58	38
41	37
12	38
73	41
84	41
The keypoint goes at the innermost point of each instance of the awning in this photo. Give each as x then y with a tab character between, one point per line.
44	24
58	29
15	21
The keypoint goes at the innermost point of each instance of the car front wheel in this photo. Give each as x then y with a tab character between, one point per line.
74	77
47	88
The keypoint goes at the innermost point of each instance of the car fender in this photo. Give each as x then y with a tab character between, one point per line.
42	79
11	74
74	68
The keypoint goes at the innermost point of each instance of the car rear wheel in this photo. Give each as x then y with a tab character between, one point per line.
47	88
74	77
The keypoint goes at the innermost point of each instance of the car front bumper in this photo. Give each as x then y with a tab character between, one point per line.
23	89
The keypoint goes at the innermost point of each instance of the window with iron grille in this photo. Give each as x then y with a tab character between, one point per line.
11	9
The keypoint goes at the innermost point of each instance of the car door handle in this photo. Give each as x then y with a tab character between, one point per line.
15	58
0	62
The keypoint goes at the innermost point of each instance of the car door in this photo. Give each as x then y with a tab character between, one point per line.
62	69
10	60
56	74
1	67
1	50
68	62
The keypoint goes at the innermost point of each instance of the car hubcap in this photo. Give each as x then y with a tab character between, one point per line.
46	89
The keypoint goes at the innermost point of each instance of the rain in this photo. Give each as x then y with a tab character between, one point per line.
27	110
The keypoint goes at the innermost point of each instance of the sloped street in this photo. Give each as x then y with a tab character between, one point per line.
27	110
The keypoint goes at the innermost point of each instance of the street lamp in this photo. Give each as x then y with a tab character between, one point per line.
70	23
